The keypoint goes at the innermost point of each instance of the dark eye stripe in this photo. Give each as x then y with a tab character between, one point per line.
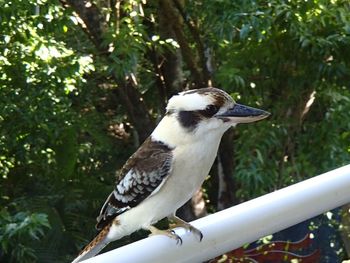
189	119
209	111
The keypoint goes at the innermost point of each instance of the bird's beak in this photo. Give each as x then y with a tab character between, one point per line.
243	114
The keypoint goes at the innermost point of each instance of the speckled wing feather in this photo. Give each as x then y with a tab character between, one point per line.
141	177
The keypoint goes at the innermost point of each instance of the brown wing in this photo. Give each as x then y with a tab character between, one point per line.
140	178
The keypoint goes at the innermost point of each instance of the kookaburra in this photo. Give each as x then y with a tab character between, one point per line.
168	168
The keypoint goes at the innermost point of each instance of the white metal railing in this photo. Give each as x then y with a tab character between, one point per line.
241	224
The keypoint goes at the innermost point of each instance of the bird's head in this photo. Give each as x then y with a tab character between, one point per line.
212	108
208	110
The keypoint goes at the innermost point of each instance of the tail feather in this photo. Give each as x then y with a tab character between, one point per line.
95	246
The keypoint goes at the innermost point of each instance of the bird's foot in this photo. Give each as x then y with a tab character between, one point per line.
178	222
169	233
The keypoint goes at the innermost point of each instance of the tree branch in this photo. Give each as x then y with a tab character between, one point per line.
176	22
171	64
93	24
160	80
197	39
90	19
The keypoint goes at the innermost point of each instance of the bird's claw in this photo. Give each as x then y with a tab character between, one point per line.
188	227
196	232
175	236
169	233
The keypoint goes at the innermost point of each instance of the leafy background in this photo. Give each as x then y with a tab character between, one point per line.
83	83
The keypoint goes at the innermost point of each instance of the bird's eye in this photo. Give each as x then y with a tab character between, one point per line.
210	110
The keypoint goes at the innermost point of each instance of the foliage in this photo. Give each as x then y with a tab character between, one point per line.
79	93
292	58
18	232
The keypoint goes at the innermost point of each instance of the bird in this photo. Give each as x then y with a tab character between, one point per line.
169	167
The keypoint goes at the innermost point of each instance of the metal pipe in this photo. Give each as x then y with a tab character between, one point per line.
241	224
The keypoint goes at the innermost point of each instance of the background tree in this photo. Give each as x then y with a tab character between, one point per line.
83	83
